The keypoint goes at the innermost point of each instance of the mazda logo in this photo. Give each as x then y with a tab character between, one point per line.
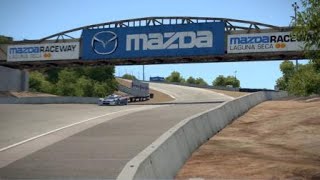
104	43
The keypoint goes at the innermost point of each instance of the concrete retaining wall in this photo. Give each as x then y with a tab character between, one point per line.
164	157
13	79
48	100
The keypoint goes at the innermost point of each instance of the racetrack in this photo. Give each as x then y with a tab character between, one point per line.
186	94
98	145
27	121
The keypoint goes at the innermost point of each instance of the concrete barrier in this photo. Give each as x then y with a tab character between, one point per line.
165	156
48	100
13	79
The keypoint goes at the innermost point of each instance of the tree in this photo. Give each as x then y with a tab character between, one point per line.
281	84
201	82
307	29
52	74
66	84
99	90
232	81
226	81
191	80
38	83
102	89
305	81
198	81
112	85
219	81
78	81
175	77
302	82
129	76
288	70
308	24
101	73
5	39
84	87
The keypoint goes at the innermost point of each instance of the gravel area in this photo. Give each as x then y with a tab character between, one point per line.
274	140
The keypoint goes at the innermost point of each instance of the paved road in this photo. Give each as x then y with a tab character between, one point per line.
22	121
99	150
189	94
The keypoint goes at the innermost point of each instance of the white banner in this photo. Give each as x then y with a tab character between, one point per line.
263	42
43	52
140	88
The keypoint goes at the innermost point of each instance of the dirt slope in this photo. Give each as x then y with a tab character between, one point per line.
274	140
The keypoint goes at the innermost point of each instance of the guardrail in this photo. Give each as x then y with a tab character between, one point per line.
165	156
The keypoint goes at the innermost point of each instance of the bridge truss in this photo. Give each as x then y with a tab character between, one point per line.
231	26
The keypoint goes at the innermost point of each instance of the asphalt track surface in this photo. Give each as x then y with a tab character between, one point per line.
184	94
95	149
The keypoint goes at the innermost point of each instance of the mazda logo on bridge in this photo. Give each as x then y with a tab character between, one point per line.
105	42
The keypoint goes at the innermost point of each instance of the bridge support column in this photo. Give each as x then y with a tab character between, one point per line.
13	79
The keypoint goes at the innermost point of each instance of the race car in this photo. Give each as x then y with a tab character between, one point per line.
113	100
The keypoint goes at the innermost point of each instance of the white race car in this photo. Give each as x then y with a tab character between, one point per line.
113	100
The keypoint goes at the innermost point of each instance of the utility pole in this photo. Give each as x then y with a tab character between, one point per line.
295	8
143	72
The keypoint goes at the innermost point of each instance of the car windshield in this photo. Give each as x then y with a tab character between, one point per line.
111	97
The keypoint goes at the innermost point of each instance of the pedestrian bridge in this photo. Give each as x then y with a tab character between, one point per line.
155	40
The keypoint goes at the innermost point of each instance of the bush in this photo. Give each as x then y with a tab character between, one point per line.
201	82
129	76
84	87
66	84
191	80
81	81
175	77
305	82
38	83
225	81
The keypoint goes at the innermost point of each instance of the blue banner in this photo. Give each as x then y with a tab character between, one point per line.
153	41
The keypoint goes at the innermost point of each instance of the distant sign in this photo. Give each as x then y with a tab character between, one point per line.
42	52
263	42
154	41
157	78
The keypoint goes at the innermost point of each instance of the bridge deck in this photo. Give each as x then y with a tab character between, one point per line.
267	56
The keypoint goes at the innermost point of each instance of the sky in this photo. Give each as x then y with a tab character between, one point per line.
35	19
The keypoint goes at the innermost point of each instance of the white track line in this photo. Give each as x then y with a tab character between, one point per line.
64	127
